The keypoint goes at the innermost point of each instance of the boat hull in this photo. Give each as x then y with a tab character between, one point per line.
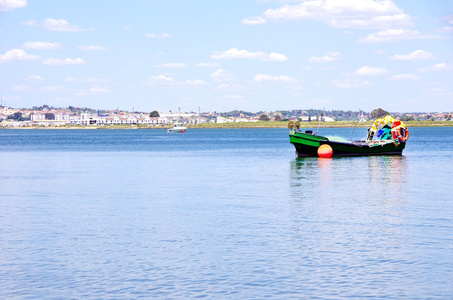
176	130
307	146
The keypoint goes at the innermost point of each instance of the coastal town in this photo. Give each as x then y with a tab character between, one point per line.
46	116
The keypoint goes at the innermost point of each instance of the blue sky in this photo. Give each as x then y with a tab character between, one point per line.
252	55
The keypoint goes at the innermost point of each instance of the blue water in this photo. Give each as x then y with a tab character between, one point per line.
221	214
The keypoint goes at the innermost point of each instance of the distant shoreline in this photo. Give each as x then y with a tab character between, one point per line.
239	125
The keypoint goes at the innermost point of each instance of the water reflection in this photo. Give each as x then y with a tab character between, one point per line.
376	176
346	216
388	176
359	189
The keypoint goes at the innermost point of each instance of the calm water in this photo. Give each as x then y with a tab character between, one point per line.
222	214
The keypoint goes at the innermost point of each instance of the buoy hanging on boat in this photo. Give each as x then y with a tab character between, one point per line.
325	151
400	131
290	125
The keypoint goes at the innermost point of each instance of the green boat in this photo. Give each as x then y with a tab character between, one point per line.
310	144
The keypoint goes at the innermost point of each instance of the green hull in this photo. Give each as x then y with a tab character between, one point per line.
308	144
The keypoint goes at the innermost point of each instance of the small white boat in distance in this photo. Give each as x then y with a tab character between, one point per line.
177	127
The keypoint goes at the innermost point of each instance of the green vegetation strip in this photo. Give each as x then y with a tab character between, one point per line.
259	124
283	124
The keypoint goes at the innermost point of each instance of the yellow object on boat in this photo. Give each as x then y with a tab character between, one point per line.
382	121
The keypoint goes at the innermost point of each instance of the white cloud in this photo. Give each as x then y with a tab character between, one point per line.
52	89
447	29
167	81
450	19
9	5
266	77
158	36
436	68
441	92
19	88
208	65
42	45
162	78
254	21
159	80
172	65
92	48
329	57
93	80
276	57
343	14
404	77
416	55
351	83
92	91
96	90
17	55
221	75
223	87
60	25
395	35
370	71
64	61
90	80
30	23
235	53
35	78
195	82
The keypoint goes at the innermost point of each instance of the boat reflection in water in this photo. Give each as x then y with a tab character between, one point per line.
369	177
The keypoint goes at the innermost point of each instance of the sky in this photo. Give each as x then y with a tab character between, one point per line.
224	55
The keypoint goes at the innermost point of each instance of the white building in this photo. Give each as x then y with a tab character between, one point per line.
220	119
39	119
130	119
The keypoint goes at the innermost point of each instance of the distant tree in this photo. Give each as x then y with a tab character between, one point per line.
17	116
309	118
378	113
50	116
428	116
407	118
278	117
448	118
264	117
154	114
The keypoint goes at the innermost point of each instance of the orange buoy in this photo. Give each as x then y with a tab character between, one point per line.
325	151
